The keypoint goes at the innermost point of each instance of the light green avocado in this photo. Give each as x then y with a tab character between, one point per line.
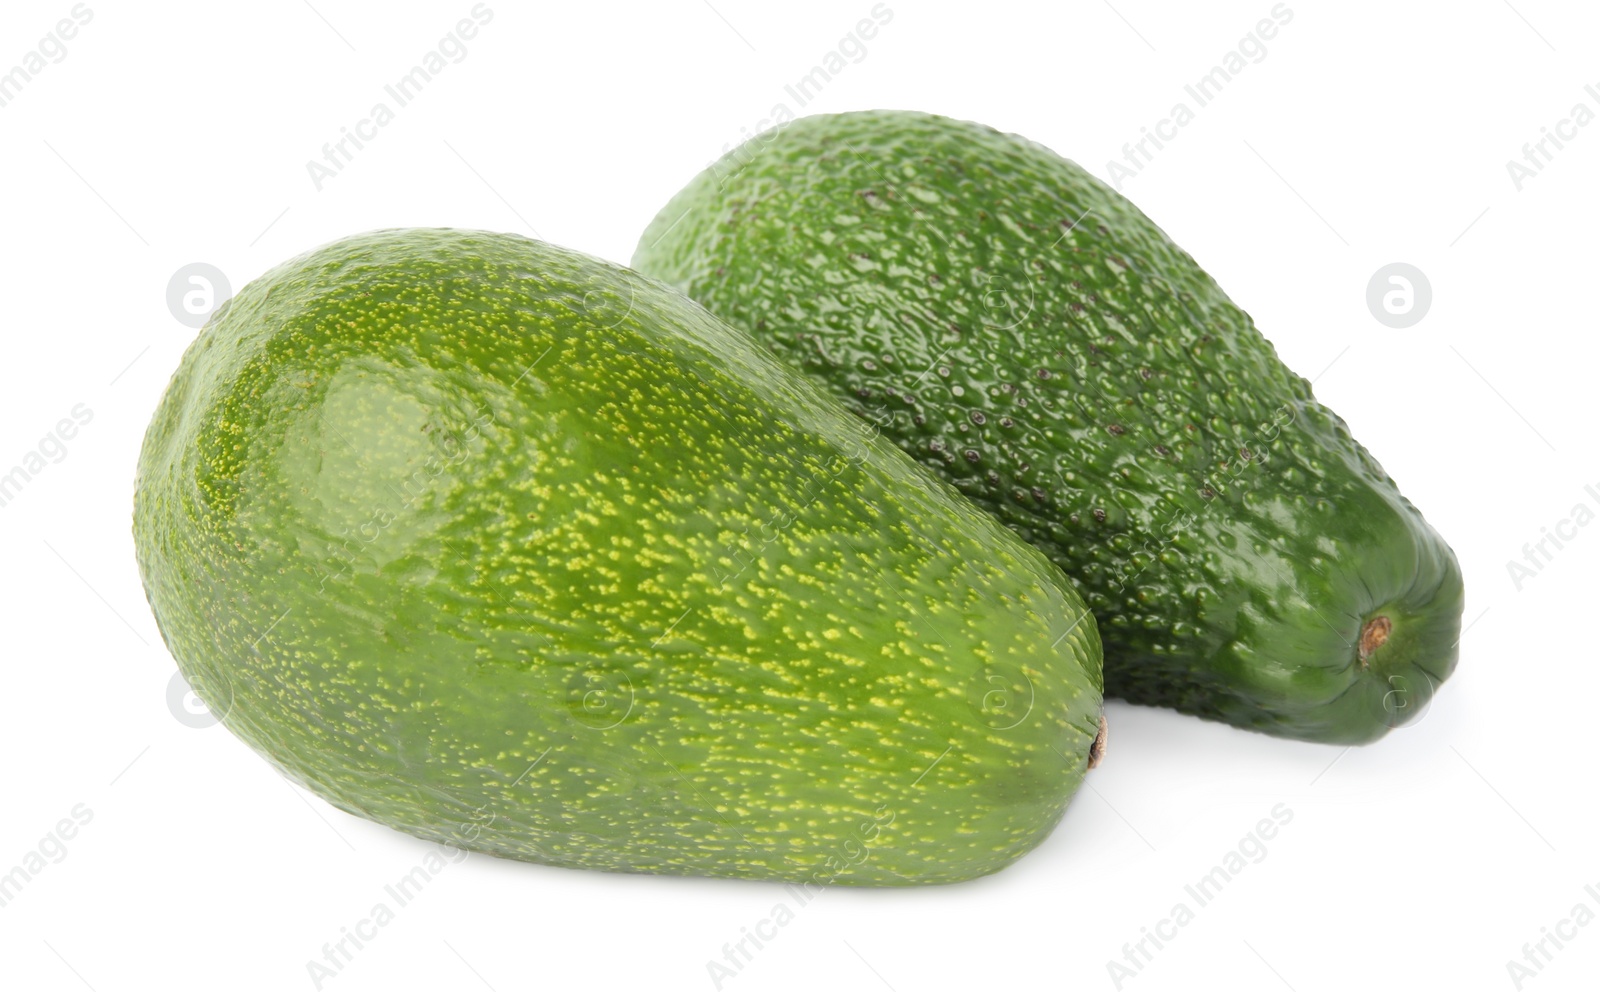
513	549
1028	335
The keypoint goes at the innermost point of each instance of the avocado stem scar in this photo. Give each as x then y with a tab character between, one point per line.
1097	748
1373	635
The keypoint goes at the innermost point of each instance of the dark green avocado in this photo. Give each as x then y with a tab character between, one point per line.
1026	333
516	550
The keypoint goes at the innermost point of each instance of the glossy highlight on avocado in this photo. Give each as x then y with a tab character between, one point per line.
1030	336
513	549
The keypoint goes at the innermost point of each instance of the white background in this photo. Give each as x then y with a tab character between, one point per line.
1372	132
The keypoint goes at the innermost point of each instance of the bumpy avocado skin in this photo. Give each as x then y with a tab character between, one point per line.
1028	334
513	549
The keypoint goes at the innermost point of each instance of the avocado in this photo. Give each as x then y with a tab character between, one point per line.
513	549
1027	334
